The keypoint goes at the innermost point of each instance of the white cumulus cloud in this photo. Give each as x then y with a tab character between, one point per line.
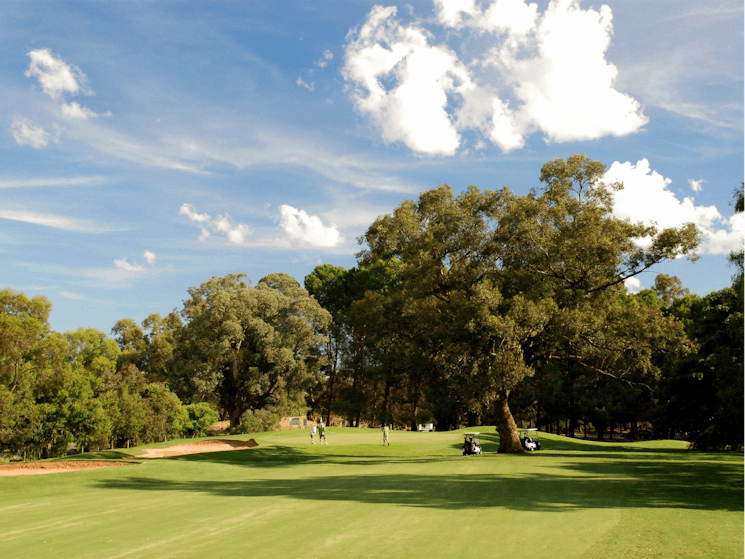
647	198
149	257
56	76
189	211
696	185
127	267
308	229
402	82
521	72
236	233
325	59
26	133
633	285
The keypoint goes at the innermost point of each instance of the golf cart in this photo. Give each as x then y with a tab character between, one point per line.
529	439
471	443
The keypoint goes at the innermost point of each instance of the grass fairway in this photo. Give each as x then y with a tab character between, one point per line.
416	498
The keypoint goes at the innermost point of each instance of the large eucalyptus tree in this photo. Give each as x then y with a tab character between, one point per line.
506	282
245	344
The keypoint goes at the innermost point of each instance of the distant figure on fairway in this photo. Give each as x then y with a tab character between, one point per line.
322	433
385	435
313	435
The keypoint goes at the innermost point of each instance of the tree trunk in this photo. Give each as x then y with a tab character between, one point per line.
600	430
509	442
415	405
386	396
235	417
332	378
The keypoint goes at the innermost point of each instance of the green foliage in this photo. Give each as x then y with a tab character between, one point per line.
245	345
149	347
165	415
669	288
493	285
701	395
201	416
258	421
59	389
737	257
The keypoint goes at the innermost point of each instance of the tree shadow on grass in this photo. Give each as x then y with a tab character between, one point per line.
592	480
539	493
279	456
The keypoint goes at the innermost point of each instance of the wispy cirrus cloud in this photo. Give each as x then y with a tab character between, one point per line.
309	86
75	111
90	180
78	297
55	221
68	295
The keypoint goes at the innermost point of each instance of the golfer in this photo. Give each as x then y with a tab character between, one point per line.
322	433
385	435
313	435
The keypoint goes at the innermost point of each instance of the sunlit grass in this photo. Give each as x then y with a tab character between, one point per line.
355	498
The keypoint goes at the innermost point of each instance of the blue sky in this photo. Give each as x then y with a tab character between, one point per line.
148	146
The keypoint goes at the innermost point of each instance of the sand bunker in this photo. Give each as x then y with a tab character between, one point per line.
215	445
35	468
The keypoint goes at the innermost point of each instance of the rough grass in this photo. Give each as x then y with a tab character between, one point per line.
356	498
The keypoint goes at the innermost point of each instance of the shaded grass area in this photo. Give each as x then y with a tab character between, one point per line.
417	498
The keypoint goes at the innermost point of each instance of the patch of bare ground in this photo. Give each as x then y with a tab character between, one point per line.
199	447
36	468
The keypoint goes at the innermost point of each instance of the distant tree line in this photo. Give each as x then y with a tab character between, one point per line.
233	352
481	308
75	388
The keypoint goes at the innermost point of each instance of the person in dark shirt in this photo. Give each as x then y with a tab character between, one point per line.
322	434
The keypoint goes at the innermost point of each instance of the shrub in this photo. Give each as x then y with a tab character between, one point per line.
258	421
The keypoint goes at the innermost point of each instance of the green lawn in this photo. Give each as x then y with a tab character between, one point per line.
356	498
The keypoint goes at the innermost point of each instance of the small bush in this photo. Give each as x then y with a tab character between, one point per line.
201	417
258	421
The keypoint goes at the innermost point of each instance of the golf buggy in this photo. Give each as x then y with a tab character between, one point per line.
529	439
471	443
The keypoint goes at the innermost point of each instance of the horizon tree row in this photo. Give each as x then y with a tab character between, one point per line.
462	309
